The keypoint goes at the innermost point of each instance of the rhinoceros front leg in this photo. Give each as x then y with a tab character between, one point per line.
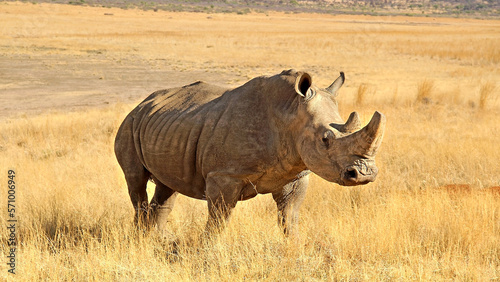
288	201
222	192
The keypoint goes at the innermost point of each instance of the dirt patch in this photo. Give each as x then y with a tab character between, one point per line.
33	84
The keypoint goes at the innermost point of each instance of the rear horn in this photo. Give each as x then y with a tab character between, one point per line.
336	84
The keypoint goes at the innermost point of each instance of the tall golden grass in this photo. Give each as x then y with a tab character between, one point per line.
424	91
75	217
361	94
486	92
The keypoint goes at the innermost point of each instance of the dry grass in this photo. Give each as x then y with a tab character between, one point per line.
431	214
424	91
486	92
361	94
77	219
483	51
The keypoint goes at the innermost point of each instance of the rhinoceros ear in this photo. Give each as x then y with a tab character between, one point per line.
336	84
303	86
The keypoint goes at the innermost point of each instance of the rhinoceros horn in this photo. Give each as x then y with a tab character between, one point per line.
352	124
336	84
366	141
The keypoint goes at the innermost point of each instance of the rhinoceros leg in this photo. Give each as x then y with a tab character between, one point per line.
137	180
162	203
288	201
222	193
136	174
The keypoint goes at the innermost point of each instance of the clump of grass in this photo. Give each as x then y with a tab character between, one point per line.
485	94
424	91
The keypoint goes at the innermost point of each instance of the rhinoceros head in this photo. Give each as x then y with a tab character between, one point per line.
337	151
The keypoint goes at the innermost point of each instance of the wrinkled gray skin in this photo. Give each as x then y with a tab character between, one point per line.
224	146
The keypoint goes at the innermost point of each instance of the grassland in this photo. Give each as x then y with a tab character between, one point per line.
71	74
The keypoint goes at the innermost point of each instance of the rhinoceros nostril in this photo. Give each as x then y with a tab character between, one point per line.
351	173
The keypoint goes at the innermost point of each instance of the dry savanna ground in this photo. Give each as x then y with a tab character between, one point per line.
69	75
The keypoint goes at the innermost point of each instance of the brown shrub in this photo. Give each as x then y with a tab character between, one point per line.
456	188
495	190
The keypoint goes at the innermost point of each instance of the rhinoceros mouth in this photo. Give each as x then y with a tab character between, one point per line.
360	173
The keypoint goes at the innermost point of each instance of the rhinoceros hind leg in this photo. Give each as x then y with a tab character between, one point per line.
288	201
162	203
135	173
137	183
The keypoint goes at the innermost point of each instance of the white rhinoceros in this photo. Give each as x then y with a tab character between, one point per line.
228	145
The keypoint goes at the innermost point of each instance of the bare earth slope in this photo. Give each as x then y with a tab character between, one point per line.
65	57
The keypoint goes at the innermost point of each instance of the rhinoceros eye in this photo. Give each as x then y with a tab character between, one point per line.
327	137
325	140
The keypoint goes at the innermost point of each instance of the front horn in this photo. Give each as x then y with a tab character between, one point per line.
366	141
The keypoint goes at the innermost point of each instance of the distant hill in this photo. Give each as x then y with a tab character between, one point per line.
455	8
